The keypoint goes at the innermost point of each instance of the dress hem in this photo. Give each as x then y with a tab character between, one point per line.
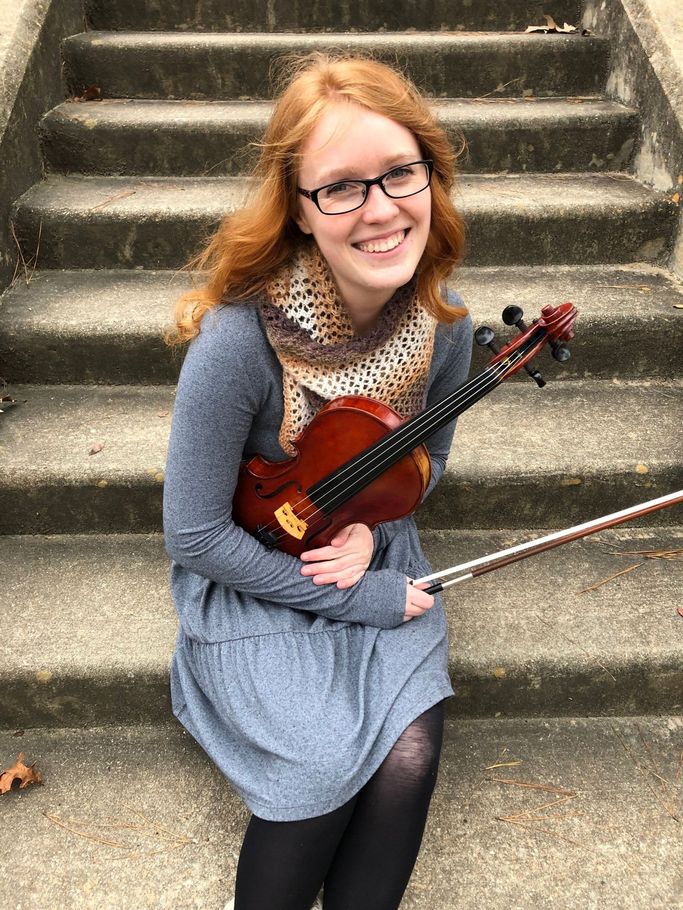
294	813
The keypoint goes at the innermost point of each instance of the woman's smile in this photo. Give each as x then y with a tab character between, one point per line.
381	245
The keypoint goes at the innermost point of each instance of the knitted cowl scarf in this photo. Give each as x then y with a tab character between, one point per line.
322	357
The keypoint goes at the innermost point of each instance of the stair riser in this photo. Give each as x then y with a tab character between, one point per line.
461	502
536	691
496	236
293	15
46	357
604	144
443	67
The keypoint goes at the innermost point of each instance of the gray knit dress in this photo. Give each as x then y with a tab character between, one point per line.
297	692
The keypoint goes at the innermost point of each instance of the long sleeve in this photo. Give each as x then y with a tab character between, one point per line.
221	390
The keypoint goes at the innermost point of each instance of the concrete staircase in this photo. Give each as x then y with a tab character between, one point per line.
568	690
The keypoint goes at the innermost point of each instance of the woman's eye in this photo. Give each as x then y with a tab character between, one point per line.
399	172
340	189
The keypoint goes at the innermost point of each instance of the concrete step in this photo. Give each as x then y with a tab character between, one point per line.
231	66
194	138
514	219
106	326
137	817
156	824
557	454
523	641
278	15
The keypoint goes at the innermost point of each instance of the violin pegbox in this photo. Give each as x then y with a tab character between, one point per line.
554	327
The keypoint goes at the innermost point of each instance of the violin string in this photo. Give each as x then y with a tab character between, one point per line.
492	375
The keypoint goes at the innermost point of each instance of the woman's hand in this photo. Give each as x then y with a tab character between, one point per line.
344	560
417	602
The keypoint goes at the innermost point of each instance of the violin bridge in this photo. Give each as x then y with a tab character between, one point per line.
289	522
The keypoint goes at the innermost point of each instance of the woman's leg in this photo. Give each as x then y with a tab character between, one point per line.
282	864
375	857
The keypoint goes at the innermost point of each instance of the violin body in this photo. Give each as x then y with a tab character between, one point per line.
341	430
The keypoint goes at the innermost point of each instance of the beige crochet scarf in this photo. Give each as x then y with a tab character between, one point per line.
323	358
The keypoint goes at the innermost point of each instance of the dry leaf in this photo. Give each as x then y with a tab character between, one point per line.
19	776
163	413
97	447
676	198
678	306
552	28
91	93
679	610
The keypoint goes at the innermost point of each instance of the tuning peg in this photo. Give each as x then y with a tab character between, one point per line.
484	336
512	315
560	351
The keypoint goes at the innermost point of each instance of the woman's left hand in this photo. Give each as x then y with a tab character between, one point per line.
344	560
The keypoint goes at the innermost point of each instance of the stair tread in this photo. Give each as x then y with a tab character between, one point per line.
409	39
106	622
101	301
108	198
153	792
577	429
174	114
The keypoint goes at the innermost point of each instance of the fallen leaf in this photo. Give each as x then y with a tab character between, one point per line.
91	93
552	28
163	413
97	447
678	306
19	776
679	610
676	198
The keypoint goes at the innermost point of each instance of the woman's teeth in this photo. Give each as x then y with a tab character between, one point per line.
382	246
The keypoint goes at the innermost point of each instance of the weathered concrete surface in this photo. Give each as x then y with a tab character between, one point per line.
580	446
513	219
646	70
523	640
30	84
233	66
160	828
324	15
194	138
106	326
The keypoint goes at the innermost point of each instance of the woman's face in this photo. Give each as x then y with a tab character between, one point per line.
349	142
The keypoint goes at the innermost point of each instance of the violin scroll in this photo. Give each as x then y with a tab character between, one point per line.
553	327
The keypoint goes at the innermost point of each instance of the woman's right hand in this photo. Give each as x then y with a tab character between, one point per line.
417	602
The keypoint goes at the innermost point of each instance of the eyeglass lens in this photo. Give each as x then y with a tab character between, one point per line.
350	194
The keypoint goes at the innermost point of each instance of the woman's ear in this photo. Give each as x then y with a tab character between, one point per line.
302	221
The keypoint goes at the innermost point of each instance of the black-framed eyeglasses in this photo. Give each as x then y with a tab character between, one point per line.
347	195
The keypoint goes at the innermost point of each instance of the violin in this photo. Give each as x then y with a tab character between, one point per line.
358	460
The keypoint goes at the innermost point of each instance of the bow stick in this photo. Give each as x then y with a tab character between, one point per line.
485	564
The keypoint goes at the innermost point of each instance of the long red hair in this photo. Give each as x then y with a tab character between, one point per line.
256	240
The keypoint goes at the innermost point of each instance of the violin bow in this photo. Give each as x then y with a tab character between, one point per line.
485	564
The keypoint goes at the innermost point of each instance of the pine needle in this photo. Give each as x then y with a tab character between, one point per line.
529	786
604	581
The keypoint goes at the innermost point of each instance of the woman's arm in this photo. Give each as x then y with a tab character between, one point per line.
220	391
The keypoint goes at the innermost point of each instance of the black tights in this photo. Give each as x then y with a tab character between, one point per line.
364	851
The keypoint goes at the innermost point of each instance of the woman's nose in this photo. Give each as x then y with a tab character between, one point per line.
378	205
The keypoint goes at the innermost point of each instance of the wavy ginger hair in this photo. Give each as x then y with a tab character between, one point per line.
251	244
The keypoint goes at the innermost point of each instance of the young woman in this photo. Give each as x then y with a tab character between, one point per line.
316	684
